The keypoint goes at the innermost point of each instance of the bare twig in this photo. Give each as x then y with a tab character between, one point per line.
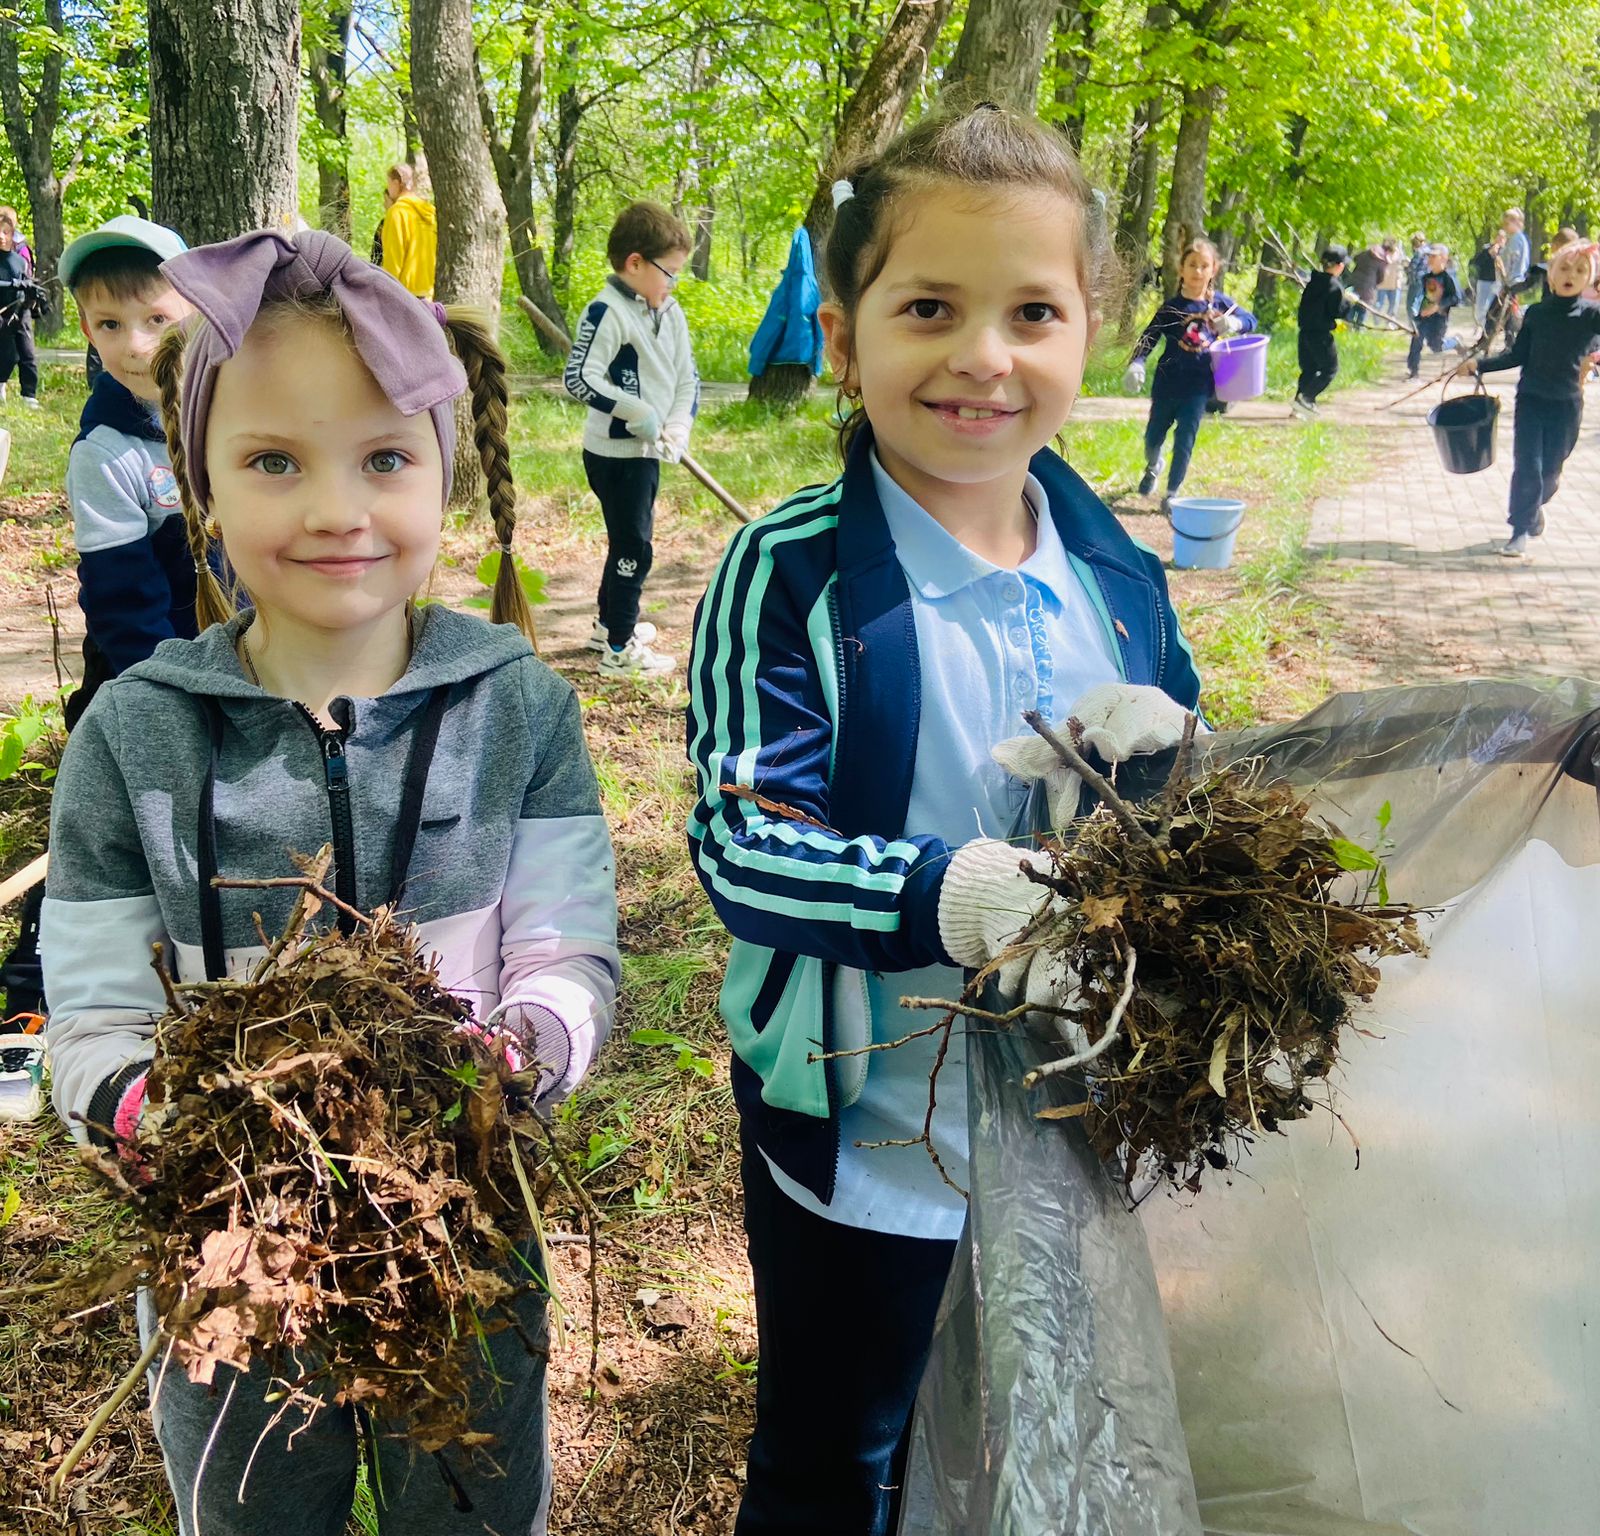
299	882
124	1391
1104	1043
1096	781
775	807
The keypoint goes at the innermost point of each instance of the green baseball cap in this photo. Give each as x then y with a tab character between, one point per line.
125	230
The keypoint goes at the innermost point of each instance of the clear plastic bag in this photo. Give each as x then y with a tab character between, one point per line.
1403	1347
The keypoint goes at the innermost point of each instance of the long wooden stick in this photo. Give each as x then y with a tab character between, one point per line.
24	880
558	339
125	1389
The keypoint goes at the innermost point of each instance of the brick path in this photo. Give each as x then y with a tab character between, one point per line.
1416	550
1413	574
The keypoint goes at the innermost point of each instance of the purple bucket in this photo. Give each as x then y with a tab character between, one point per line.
1239	367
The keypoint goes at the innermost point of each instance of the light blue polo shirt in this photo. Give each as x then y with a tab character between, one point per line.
991	643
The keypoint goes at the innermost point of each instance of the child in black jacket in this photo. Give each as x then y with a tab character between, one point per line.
1323	304
1439	294
1552	350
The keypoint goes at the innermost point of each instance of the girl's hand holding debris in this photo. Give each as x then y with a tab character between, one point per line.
537	1051
1206	947
1118	720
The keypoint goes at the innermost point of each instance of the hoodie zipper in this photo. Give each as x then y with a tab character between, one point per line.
336	772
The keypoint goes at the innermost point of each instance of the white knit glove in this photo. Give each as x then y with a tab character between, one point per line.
646	427
1231	324
1133	379
673	442
985	902
1032	759
1123	720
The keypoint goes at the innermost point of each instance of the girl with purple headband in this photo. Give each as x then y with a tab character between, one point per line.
310	426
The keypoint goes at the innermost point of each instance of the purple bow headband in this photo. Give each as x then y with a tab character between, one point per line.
398	337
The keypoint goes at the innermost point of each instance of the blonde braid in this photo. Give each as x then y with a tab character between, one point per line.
485	367
211	604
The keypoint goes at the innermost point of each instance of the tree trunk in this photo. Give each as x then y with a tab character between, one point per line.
1268	299
564	202
1074	53
472	219
31	134
875	111
514	169
783	385
1001	53
1138	207
1186	198
224	115
326	66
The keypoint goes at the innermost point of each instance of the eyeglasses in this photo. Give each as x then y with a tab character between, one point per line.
671	277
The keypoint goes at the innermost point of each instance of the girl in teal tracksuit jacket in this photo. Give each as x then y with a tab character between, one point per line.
861	658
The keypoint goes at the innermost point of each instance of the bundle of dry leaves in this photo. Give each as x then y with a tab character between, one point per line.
327	1177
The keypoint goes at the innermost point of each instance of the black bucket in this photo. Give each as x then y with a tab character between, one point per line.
1464	429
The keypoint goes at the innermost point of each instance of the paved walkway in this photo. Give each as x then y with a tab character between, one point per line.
1413	568
1420	549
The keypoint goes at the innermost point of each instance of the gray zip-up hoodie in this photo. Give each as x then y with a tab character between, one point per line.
475	758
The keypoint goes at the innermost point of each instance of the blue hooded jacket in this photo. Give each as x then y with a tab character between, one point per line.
789	331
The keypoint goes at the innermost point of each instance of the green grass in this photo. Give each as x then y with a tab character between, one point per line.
1240	621
40	439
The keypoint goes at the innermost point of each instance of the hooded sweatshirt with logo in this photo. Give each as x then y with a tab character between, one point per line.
411	243
464	796
135	573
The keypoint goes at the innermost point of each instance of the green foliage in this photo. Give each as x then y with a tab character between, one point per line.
488	570
20	732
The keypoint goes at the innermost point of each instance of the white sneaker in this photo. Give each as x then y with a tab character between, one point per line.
1515	547
636	659
31	403
1303	408
3	388
21	1074
600	641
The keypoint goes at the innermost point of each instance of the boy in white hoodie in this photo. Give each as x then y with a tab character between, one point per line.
632	365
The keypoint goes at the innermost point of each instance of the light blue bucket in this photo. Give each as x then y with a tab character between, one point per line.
1204	529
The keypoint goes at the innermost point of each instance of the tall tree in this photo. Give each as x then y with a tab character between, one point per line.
224	115
1202	94
1075	24
31	132
514	168
472	219
877	108
1001	53
327	47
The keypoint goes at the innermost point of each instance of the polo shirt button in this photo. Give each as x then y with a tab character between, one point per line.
1018	635
1013	593
1022	687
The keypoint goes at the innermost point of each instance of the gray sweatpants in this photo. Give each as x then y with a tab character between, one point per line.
302	1477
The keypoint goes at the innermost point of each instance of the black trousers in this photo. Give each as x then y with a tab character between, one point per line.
626	489
845	1320
1543	435
16	352
1183	412
1319	361
1430	330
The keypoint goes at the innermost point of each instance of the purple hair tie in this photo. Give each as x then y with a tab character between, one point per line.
439	313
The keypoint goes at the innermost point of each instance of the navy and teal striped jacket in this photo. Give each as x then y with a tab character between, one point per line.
805	691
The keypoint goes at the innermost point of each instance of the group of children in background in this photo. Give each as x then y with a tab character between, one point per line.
1554	344
861	658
